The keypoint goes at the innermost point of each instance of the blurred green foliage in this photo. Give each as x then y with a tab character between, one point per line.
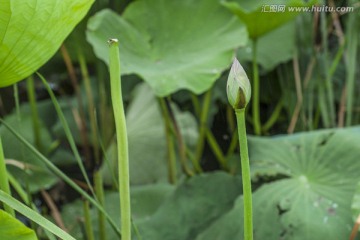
305	184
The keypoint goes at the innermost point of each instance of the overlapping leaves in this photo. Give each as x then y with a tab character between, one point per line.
172	45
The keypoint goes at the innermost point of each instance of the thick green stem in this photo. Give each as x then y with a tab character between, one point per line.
216	149
80	109
181	144
91	107
170	143
256	92
95	143
4	183
34	112
274	116
107	163
351	66
87	218
196	104
203	122
17	102
246	178
325	68
122	142
107	125
99	191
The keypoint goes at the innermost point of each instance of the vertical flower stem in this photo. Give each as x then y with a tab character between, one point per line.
34	112
106	119
325	66
91	107
87	218
181	143
170	143
76	86
274	116
99	191
256	92
351	67
122	142
245	169
204	113
95	142
216	149
4	183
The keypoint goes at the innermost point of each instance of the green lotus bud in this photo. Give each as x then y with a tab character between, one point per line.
238	87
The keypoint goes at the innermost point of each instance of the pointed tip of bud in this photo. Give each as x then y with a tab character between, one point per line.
238	86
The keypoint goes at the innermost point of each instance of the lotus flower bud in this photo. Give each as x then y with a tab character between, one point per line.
238	87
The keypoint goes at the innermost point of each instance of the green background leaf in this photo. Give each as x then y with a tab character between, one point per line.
36	176
194	205
258	17
323	169
273	48
146	136
318	173
32	31
13	229
172	45
145	200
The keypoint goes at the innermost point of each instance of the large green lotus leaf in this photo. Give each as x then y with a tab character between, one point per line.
13	229
146	136
273	48
259	16
323	169
158	210
194	205
172	45
31	31
36	176
355	205
320	171
231	224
